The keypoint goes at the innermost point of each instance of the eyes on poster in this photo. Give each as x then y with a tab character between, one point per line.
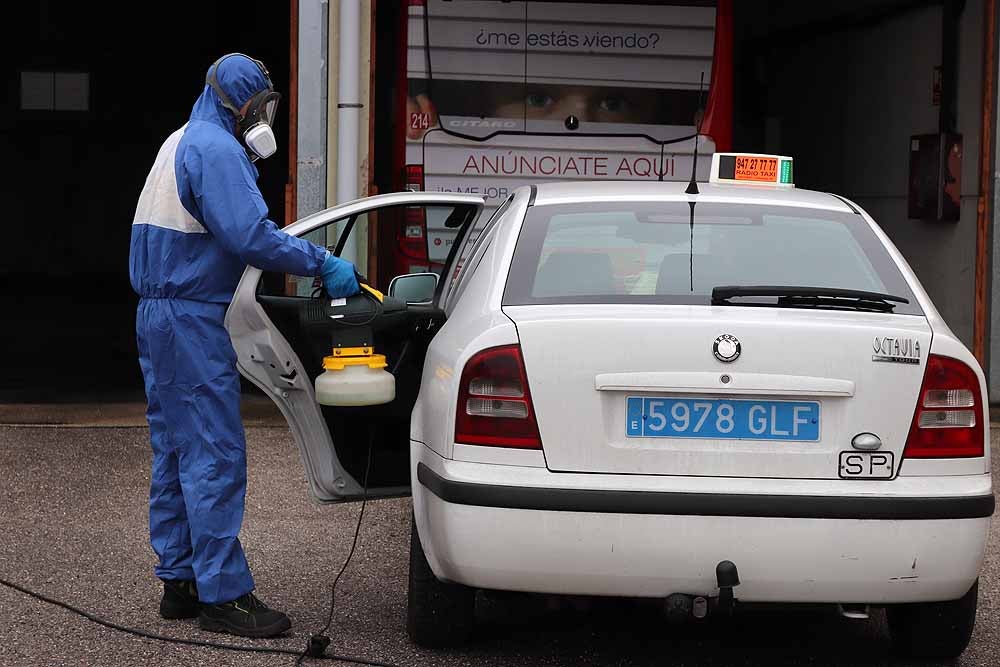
503	94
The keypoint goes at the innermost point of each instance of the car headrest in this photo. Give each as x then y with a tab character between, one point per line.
574	274
675	274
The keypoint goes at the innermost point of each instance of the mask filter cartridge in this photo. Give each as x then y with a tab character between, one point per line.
260	139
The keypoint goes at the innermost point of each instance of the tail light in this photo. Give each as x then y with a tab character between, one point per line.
494	404
948	421
414	237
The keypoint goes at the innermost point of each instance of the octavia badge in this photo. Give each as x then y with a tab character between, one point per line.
727	348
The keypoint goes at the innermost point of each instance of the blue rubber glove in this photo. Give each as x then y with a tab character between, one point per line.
339	277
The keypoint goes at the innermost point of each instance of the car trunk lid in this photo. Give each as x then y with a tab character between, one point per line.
601	374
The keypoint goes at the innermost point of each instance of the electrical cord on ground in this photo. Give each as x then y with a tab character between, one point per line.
317	644
93	618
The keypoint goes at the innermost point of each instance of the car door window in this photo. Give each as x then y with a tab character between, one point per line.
463	281
482	245
349	237
287	284
476	241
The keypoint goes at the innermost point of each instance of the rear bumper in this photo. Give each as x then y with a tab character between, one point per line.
784	506
646	542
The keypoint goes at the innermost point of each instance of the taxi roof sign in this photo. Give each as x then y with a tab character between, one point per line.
752	169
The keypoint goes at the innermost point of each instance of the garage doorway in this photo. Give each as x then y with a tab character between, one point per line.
91	98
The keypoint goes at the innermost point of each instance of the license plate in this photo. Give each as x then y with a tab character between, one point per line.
866	465
661	417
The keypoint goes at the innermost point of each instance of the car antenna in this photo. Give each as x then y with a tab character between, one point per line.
691	204
692	188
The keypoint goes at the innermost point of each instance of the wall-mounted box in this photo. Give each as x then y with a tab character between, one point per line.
935	177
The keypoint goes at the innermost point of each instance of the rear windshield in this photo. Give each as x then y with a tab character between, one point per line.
651	252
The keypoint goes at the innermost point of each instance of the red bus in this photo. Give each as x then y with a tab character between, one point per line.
502	94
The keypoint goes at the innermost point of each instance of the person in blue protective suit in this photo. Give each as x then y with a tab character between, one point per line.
199	222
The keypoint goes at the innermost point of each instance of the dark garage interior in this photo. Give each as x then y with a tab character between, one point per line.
72	187
841	87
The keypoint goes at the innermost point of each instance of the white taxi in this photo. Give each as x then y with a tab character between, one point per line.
734	392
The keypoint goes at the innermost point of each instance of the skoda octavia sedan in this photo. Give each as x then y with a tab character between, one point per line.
623	389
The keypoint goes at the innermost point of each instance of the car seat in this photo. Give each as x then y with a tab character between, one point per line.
575	274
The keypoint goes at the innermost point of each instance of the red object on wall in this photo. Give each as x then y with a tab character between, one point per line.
718	119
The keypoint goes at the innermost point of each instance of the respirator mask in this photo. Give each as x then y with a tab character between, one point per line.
255	126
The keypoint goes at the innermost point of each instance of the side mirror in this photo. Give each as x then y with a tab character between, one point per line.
416	288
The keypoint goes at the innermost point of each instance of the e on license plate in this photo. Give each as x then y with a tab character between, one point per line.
866	465
726	419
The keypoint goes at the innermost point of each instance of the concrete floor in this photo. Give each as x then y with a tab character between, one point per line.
73	526
256	409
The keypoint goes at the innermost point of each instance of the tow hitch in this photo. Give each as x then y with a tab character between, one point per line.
727	578
679	606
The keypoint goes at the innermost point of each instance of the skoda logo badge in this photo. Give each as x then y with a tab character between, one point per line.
727	348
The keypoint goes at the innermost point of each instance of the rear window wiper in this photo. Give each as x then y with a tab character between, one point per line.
806	297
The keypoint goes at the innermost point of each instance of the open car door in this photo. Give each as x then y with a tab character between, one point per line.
282	326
